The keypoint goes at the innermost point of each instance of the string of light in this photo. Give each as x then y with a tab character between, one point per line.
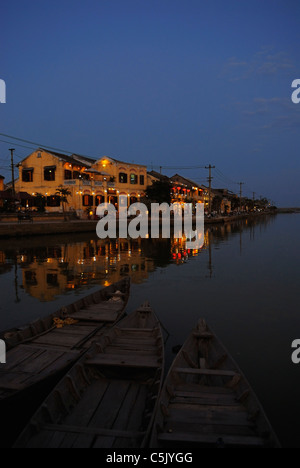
217	175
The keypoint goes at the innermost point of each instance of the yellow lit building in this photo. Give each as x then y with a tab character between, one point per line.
183	190
186	191
1	189
90	182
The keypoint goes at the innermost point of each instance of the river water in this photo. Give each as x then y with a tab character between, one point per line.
245	282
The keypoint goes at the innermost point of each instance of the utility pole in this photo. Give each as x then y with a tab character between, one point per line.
13	171
210	178
254	196
241	193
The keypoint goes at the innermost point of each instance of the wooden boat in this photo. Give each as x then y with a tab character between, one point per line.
49	346
207	402
108	398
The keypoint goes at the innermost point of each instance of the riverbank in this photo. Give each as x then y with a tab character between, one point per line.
44	228
56	227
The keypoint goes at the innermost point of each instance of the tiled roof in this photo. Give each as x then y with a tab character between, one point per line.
123	162
81	161
159	176
187	181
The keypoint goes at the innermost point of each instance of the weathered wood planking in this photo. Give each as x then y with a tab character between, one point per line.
106	400
207	402
41	350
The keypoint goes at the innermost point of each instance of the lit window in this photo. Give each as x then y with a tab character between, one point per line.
68	175
123	178
27	175
133	179
87	200
49	173
99	199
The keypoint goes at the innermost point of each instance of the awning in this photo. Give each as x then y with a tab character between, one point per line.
28	169
23	196
50	167
94	171
7	195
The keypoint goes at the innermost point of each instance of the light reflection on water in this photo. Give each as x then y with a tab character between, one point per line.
245	282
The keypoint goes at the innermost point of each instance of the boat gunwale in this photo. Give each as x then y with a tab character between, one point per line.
94	350
165	397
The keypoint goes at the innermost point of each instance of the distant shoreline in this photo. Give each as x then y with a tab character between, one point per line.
47	227
287	210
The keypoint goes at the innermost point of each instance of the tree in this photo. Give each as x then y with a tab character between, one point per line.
40	202
264	202
63	194
159	192
217	203
235	203
250	204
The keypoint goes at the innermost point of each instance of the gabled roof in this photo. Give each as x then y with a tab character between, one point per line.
183	180
73	159
84	158
117	161
188	182
159	176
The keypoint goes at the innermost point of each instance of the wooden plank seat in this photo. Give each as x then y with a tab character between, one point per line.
98	431
209	372
123	361
212	439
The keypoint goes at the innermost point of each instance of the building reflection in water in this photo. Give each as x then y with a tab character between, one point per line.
51	272
48	272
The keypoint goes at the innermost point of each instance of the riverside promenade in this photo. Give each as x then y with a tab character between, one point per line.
40	227
47	227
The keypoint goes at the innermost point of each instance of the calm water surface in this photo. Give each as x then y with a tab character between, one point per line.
245	282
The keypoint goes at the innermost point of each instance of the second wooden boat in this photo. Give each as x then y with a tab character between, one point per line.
207	402
49	346
108	398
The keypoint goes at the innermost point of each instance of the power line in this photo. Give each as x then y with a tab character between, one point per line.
218	174
241	192
12	170
34	143
210	178
16	144
181	168
226	178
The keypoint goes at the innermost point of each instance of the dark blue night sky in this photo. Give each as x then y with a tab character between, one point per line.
168	83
